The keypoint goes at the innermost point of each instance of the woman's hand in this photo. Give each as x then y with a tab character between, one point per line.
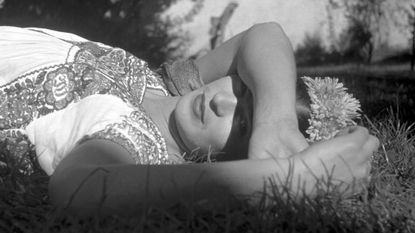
276	140
344	160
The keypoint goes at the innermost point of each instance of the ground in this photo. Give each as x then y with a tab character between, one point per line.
387	205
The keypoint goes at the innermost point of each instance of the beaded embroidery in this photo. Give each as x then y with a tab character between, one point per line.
90	68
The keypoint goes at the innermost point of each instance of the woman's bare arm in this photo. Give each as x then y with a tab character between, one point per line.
263	57
97	178
92	179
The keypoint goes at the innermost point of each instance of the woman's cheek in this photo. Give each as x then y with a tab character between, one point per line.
219	133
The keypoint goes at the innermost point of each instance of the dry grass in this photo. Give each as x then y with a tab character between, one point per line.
388	205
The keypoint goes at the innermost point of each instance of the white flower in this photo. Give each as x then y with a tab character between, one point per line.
332	108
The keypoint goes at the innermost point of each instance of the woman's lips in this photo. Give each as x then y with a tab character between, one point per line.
199	106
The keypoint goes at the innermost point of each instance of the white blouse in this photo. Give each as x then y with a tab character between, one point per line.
58	90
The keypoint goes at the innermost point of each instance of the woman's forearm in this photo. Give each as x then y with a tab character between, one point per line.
119	188
266	59
263	57
127	188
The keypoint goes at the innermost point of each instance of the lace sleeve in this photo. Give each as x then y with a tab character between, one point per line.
139	136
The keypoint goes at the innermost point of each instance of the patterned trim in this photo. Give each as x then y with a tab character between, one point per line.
138	135
19	78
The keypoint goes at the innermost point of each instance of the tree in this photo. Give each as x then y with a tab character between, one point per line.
357	42
366	19
370	21
411	21
402	14
218	25
330	7
135	25
311	51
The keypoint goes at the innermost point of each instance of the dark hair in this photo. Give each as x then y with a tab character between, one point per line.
302	106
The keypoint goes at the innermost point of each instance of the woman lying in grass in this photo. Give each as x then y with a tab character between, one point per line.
114	135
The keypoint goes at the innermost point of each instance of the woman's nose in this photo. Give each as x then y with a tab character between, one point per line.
223	103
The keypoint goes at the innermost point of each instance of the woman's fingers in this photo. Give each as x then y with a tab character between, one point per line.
367	150
372	144
349	153
353	138
369	147
347	130
357	133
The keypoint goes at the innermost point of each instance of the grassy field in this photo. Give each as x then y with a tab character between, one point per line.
387	205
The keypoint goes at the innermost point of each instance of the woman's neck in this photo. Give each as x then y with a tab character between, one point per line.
161	110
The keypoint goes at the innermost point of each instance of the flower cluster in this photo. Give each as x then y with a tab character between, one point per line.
332	108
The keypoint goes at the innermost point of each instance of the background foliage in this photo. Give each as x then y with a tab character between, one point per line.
369	24
134	25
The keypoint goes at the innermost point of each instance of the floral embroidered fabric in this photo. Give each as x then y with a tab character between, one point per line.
144	141
90	68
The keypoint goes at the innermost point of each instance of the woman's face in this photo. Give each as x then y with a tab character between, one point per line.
216	118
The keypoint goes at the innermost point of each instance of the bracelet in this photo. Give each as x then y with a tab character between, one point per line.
181	76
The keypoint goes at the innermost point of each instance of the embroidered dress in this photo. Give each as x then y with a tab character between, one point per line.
58	90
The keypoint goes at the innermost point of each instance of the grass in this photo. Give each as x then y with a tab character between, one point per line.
387	205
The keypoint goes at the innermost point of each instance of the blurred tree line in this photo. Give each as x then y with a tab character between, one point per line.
134	25
368	24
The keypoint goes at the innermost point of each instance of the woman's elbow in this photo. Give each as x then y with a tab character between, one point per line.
267	28
266	34
56	190
60	190
69	192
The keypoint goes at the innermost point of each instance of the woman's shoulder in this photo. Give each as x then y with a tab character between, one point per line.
39	32
54	135
97	117
63	73
58	34
24	50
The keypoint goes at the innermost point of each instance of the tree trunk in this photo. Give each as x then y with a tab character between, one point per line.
412	20
217	29
370	53
413	46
